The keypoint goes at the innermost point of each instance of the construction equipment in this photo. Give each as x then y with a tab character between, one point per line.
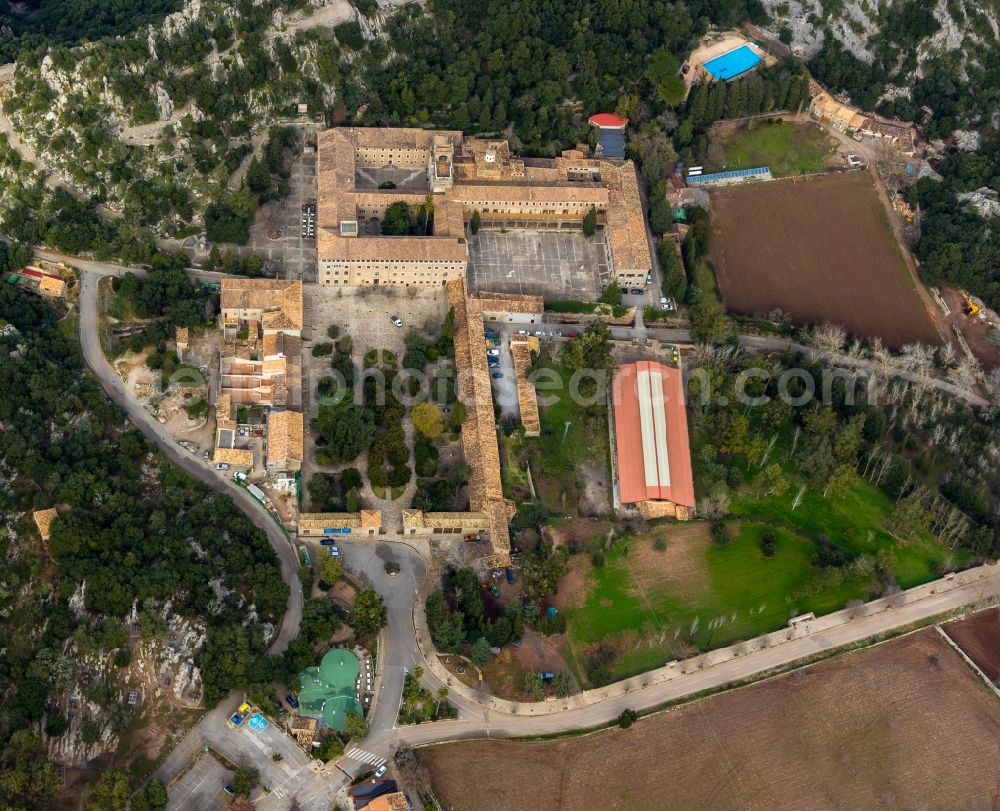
970	308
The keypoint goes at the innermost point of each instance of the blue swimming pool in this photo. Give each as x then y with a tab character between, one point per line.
733	63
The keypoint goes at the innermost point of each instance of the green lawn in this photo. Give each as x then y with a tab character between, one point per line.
746	594
789	149
572	435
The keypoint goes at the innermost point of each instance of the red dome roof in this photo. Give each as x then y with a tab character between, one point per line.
608	120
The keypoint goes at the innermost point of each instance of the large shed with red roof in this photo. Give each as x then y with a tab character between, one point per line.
651	437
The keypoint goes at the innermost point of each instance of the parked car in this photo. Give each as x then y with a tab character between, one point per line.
497	375
493	362
328	542
510	574
334	551
205	455
540	333
522	332
649	278
570	334
222	466
229	790
556	333
380	770
292	700
493	353
396	320
636	291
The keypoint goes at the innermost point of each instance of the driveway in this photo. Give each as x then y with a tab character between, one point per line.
201	786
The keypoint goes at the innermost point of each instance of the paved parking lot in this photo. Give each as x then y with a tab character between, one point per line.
549	264
200	788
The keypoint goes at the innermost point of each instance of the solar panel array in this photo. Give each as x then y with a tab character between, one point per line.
731	175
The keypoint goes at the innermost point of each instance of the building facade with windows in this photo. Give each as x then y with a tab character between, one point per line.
362	171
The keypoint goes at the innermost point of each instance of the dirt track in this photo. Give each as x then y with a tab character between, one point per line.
902	725
820	249
979	637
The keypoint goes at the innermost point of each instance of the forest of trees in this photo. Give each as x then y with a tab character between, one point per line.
131	526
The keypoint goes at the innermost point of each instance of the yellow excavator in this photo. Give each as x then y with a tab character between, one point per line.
970	308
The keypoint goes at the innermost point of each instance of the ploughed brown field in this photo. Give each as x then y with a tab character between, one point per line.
905	724
979	637
820	249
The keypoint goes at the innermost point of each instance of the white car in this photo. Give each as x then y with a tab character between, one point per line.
522	332
222	466
396	320
380	770
540	333
493	353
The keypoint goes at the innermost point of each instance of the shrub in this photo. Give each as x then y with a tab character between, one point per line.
322	350
627	718
660	543
720	533
597	558
474	222
332	332
767	544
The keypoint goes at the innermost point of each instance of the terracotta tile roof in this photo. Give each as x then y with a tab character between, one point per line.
331	246
484	171
417	519
223	408
626	222
43	520
527	397
284	436
826	105
479	441
314	521
511	303
277	302
389	802
51	286
241	457
371	518
530	192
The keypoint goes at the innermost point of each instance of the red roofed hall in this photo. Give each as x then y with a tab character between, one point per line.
651	435
611	120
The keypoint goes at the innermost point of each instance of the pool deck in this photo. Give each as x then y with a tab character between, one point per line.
715	45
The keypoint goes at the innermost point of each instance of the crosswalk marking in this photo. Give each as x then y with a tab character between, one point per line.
365	757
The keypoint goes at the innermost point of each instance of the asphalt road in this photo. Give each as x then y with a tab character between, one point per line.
399	653
194	466
591	708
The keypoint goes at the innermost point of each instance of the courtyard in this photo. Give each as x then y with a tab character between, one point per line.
552	264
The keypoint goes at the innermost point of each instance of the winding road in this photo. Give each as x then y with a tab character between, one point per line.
405	643
91	274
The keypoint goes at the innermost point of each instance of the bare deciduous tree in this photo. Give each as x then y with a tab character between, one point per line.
829	337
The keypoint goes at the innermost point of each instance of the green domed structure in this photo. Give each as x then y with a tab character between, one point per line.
330	690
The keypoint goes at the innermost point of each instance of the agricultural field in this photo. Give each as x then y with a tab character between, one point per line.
979	637
904	724
819	249
789	149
